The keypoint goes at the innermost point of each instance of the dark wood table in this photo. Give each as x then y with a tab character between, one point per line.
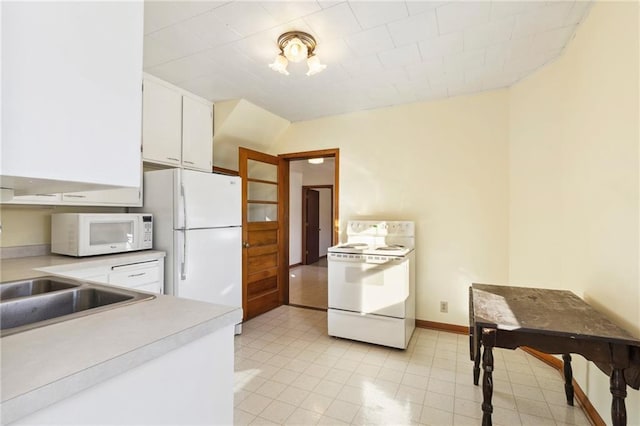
554	322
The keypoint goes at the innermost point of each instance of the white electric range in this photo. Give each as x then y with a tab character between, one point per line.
371	283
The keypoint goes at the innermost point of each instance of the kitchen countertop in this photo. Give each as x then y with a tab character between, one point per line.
45	365
27	267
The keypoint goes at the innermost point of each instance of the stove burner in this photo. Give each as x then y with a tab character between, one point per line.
354	246
391	248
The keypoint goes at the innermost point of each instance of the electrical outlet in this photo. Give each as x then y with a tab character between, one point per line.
444	307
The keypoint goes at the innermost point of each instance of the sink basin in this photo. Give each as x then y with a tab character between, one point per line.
30	287
35	303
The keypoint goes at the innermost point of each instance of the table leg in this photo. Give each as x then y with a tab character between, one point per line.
619	392
568	378
476	358
488	341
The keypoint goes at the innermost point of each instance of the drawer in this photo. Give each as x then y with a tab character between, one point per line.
135	275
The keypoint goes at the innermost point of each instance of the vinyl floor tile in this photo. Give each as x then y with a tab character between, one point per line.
288	371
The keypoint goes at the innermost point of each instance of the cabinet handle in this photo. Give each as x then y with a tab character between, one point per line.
188	162
137	275
173	159
75	196
46	195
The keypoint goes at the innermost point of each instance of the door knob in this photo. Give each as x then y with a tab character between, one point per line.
245	244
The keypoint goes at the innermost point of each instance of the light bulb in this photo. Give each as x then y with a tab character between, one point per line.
280	65
313	62
295	50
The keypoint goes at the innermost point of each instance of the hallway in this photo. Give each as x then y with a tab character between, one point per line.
308	285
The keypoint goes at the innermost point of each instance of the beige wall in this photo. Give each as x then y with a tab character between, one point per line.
31	225
574	178
441	164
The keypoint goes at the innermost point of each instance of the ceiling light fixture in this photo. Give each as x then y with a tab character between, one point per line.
316	160
296	46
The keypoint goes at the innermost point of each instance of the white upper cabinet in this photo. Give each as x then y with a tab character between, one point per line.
177	127
161	124
71	95
197	134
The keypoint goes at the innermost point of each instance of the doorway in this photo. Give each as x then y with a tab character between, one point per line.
313	220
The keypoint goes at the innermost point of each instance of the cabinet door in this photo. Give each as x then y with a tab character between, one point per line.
197	134
71	96
119	196
161	124
33	199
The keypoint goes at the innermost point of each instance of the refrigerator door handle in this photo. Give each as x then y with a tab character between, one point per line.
184	206
183	261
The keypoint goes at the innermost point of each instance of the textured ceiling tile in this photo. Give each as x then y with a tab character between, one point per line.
458	16
359	65
334	22
220	50
414	28
400	56
284	11
489	34
245	18
156	53
183	69
372	14
160	14
552	40
469	59
417	7
179	41
370	41
441	46
503	9
542	19
208	28
423	70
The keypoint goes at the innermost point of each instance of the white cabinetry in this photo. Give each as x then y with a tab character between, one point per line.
146	275
71	95
125	197
161	123
177	127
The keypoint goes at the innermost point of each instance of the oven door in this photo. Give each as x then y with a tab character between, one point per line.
371	288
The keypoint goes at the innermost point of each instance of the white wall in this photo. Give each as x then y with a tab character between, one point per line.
574	178
295	217
325	220
442	164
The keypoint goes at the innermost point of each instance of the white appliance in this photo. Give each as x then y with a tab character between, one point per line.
371	283
198	223
90	234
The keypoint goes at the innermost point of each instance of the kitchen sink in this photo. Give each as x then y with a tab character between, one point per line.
29	304
36	286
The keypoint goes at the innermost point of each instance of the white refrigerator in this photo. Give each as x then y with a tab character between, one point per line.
197	221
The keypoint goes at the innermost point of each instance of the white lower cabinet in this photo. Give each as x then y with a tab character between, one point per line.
192	384
147	275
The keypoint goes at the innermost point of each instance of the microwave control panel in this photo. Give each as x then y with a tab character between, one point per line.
147	232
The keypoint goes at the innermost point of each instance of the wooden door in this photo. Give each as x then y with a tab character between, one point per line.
311	225
264	264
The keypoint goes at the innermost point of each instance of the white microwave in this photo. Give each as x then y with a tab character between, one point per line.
90	234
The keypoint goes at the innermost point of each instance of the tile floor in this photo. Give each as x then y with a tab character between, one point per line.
308	285
289	371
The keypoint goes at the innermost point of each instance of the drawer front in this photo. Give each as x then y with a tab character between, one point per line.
135	277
